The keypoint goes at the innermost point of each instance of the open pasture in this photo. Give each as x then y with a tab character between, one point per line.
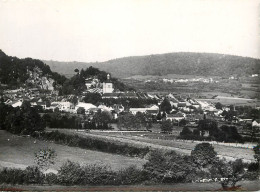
17	151
164	142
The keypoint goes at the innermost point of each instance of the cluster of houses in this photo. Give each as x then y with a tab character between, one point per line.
183	107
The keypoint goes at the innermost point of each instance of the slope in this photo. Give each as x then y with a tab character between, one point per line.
205	64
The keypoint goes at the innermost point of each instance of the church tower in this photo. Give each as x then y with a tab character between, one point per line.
108	85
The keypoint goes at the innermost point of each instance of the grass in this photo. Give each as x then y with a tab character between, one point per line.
163	141
17	151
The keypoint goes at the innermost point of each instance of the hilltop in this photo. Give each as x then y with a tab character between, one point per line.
205	64
15	73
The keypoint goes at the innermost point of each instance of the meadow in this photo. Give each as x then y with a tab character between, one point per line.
164	142
18	152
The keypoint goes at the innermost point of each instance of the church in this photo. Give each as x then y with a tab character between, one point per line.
108	85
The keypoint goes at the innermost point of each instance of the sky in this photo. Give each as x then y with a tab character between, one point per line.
100	30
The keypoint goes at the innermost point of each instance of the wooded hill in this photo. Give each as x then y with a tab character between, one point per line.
13	71
205	64
14	74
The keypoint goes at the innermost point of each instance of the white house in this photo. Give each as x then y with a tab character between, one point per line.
63	106
153	109
175	117
256	123
17	103
135	110
86	106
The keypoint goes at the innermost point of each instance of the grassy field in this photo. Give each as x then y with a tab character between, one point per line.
17	151
157	141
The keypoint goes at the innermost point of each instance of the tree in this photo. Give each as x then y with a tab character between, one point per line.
166	106
257	152
102	118
183	122
232	172
93	98
44	158
218	105
204	154
185	131
126	121
167	167
81	110
208	125
140	120
76	71
166	126
159	116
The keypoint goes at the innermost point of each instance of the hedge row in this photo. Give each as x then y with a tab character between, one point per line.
73	174
95	144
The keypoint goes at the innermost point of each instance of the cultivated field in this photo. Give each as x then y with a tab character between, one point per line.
18	152
157	141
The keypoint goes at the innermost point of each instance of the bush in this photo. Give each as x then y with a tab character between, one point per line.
44	158
51	178
98	174
95	144
12	176
204	154
167	167
33	175
70	173
130	175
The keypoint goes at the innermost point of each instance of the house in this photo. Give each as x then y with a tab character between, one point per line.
42	104
104	107
118	107
63	106
86	106
256	123
110	95
182	103
152	109
175	117
131	95
135	110
17	103
173	101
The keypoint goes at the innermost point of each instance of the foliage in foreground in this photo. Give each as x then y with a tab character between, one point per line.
72	173
161	168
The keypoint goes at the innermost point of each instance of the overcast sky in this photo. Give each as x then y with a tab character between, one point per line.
99	30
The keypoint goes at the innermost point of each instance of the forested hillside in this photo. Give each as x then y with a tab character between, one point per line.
15	72
171	63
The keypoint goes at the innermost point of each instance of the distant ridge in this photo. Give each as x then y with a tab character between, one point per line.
170	63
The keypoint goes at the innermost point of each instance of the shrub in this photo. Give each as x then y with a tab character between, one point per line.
51	178
95	144
204	154
70	173
12	176
44	158
130	175
33	175
98	174
167	167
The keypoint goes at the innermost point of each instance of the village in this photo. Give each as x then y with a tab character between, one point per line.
181	108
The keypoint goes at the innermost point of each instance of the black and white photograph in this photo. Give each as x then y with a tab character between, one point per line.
129	95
